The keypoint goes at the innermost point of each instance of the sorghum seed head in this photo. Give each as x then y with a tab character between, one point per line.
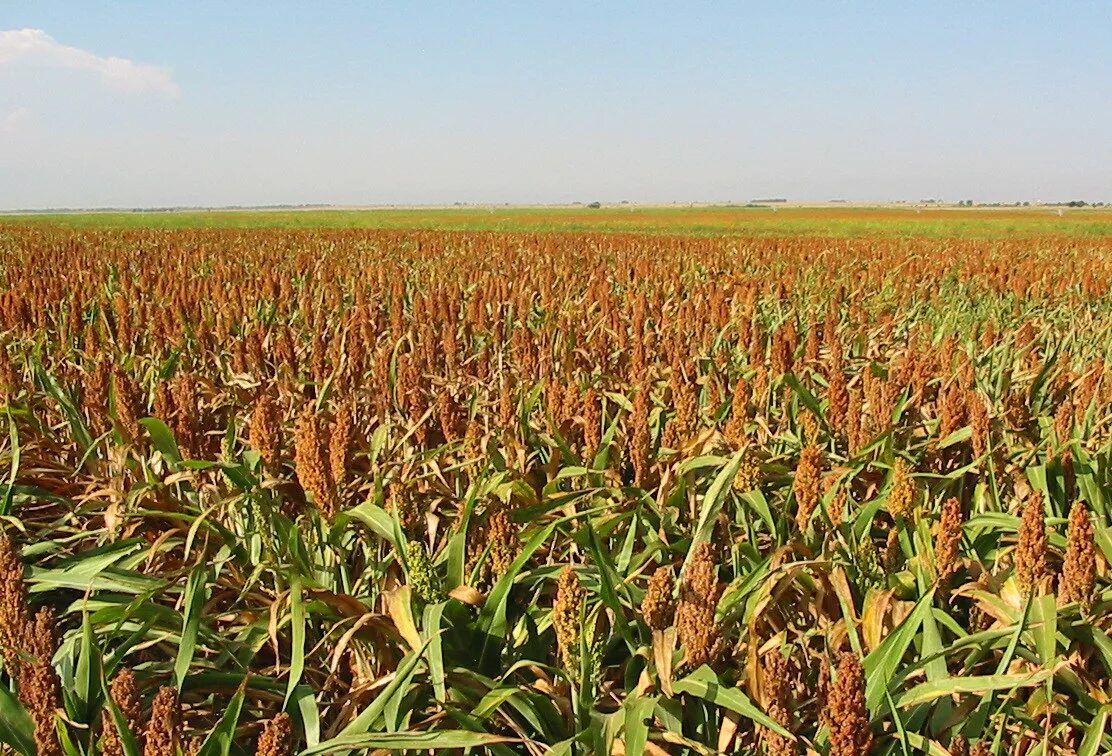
1078	577
893	554
277	737
658	607
1063	421
979	423
739	412
592	425
823	692
748	476
265	430
901	495
41	694
501	534
947	540
15	617
695	620
778	698
164	729
640	441
807	484
423	580
1030	559
339	445
128	406
837	506
312	462
850	733
125	694
567	618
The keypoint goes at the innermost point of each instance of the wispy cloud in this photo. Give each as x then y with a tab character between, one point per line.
38	47
13	120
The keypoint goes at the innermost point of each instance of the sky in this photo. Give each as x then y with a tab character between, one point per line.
152	104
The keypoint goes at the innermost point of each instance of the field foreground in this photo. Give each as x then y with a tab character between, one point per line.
332	490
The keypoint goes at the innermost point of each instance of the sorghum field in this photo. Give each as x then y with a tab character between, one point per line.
335	490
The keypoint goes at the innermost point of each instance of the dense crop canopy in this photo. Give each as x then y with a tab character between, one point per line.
335	491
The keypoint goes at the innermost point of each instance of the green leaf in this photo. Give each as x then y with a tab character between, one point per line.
61	731
1044	617
805	396
930	691
370	716
17	729
93	571
194	600
492	617
538	711
88	673
915	740
432	741
608	582
162	439
77	424
757	501
961	434
431	632
297	639
305	704
712	503
702	683
219	741
1094	733
932	644
376	518
881	665
636	733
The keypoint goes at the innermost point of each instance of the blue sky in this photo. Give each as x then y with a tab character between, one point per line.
150	104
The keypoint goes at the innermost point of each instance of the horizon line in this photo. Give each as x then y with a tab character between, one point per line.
762	203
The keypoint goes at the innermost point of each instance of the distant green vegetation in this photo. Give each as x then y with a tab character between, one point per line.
751	220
